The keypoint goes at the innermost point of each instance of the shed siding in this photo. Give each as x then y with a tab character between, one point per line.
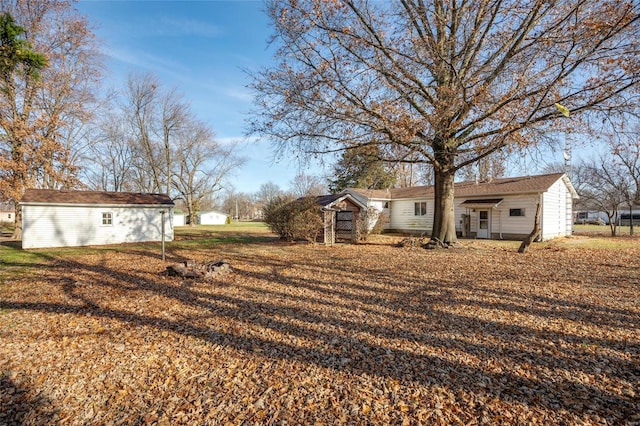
179	219
67	226
212	218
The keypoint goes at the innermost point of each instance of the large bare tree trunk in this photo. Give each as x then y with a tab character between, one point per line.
444	219
17	230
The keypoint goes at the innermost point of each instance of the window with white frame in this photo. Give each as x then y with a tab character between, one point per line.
107	218
420	209
516	212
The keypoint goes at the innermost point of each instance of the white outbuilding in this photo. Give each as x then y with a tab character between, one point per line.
212	218
65	218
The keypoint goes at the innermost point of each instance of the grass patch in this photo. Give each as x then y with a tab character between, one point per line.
604	230
14	261
235	233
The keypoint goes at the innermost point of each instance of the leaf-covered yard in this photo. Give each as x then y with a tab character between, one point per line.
303	334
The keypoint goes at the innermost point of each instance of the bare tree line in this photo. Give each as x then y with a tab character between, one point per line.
151	141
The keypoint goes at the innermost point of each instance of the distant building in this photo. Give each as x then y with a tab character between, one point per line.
7	213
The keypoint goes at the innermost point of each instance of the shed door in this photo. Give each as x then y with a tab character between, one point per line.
483	223
344	225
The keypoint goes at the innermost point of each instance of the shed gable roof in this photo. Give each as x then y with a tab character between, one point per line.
510	185
52	196
327	201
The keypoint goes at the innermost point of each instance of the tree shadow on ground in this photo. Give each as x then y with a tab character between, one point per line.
514	362
17	407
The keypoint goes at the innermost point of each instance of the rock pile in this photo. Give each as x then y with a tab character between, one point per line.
191	269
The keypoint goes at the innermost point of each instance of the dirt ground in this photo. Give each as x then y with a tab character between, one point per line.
304	334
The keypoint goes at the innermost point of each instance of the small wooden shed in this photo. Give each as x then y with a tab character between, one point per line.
340	214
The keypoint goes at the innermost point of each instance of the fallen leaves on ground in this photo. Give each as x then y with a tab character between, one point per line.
307	334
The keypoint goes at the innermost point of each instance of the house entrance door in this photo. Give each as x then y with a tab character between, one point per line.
483	224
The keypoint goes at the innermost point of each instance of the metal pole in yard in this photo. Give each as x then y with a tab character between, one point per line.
163	212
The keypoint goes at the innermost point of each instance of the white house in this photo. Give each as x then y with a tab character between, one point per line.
52	218
501	209
211	218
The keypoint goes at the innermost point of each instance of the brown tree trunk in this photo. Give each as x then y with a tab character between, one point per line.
17	230
444	219
524	247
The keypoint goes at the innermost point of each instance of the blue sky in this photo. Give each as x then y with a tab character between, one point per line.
201	48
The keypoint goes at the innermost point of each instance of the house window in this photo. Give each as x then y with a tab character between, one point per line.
8	215
420	209
516	212
386	205
107	218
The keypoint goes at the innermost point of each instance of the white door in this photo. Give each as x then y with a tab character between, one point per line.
483	224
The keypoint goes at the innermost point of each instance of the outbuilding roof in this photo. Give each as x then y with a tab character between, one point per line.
509	185
53	196
327	201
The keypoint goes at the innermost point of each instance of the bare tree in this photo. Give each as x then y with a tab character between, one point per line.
485	169
174	114
112	155
603	186
50	69
142	97
239	205
626	157
304	185
451	81
201	166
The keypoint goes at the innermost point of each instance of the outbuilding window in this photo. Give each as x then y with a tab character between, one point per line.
107	218
516	212
420	209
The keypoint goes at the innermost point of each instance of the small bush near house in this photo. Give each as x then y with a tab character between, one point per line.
371	222
294	219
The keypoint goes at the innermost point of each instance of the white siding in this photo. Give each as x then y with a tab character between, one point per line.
179	219
556	211
7	216
501	222
403	215
67	226
212	218
556	215
378	206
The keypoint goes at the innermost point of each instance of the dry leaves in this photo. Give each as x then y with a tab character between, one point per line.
302	334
